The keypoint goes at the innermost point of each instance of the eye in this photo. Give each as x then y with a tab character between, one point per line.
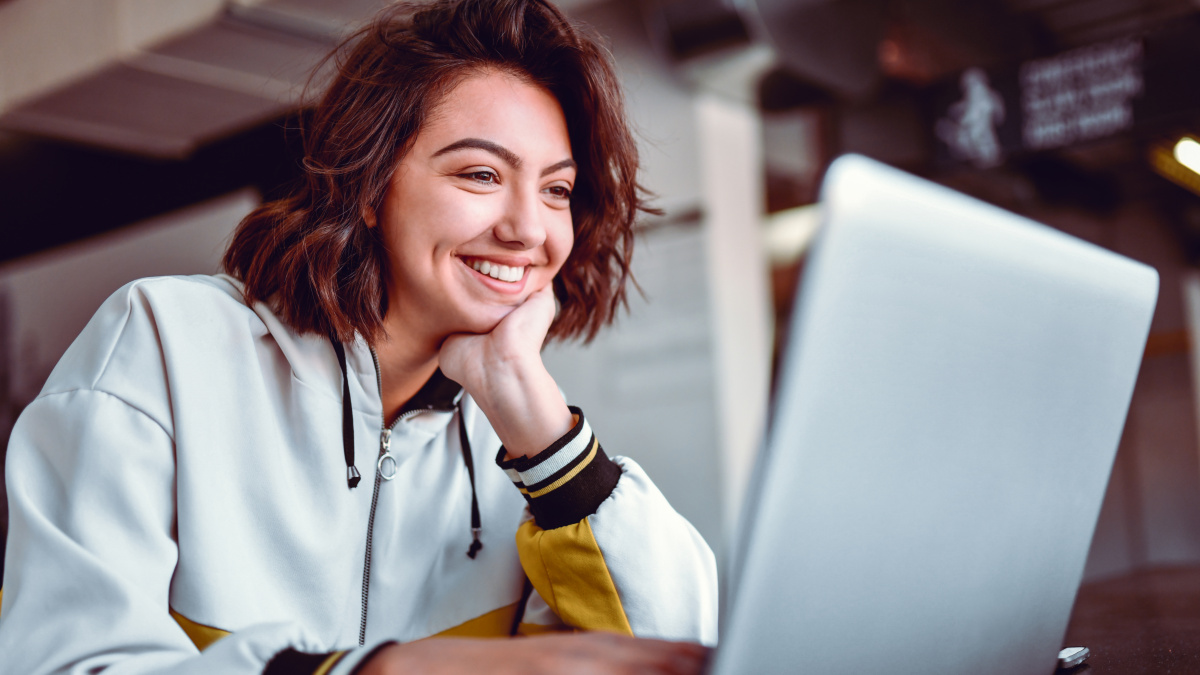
559	191
487	177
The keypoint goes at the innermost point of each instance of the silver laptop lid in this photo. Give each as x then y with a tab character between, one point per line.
954	388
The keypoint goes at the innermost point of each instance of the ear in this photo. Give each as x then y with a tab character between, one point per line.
368	216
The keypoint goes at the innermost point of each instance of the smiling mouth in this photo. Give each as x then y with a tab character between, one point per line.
497	271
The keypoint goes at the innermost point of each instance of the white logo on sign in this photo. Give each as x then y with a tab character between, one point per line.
969	130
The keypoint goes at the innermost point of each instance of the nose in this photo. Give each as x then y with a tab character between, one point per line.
522	225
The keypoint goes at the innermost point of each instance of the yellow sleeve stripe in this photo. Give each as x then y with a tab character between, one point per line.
496	623
567	568
569	475
202	636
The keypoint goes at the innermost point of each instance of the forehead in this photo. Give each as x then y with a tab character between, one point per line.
501	108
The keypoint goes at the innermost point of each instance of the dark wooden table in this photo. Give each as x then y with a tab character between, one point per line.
1147	622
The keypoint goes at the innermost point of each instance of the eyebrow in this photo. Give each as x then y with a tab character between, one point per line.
567	163
510	157
478	143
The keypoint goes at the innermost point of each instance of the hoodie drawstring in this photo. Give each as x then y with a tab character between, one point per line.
352	475
476	526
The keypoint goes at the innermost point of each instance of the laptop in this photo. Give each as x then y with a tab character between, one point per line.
954	386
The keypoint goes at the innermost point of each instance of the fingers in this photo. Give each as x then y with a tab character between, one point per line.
609	654
580	653
535	315
669	658
522	331
682	658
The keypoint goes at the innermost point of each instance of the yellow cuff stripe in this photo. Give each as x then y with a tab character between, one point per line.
570	474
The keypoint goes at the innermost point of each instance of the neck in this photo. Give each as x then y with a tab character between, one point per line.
406	362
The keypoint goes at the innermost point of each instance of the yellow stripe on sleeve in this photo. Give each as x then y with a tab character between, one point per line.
567	568
496	623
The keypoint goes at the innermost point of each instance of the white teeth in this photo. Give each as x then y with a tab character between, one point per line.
499	272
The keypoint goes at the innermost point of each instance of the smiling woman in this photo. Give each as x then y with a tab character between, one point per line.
185	492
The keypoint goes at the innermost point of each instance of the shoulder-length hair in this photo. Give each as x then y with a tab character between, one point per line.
311	254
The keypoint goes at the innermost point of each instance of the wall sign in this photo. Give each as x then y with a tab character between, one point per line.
983	116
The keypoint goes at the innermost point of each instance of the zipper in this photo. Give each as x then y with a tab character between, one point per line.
385	444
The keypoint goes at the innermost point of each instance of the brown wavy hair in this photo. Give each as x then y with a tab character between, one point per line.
311	254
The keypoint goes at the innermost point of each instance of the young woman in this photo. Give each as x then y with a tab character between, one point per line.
349	443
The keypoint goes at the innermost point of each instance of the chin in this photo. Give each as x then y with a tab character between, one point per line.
483	321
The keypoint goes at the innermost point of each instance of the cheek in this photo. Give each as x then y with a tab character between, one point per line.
560	243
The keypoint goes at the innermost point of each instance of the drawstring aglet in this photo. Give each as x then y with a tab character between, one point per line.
475	544
352	476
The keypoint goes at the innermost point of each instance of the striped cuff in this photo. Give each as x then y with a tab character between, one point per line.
567	481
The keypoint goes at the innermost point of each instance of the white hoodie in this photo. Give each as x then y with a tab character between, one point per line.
179	503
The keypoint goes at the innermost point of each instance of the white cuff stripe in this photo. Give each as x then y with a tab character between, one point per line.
565	455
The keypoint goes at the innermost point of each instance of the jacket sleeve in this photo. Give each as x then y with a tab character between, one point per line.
603	548
91	547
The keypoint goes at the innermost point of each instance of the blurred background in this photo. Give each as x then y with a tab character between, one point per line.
134	135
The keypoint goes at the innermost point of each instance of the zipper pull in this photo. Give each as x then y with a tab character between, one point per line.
385	444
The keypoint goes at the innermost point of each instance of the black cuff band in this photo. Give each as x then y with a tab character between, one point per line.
579	497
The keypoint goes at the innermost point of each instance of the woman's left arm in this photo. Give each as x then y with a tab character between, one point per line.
603	549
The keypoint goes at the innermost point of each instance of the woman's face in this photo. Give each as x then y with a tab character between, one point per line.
477	216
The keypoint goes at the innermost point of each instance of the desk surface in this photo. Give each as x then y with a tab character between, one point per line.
1147	622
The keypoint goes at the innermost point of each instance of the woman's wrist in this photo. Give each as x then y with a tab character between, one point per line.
523	403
